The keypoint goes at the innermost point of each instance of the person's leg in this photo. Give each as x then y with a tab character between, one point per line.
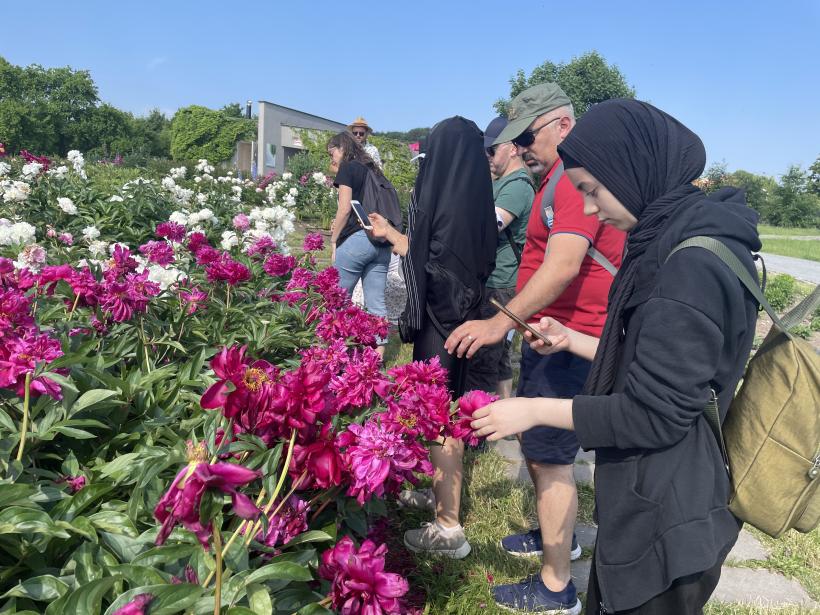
448	462
504	387
351	258
374	281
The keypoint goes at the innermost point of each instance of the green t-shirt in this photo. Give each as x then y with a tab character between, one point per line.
513	193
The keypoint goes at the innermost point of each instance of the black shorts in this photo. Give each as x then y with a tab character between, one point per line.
491	364
561	375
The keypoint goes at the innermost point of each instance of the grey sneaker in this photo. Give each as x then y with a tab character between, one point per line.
423	499
429	539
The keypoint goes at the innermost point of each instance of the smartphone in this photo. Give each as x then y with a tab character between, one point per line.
361	214
528	327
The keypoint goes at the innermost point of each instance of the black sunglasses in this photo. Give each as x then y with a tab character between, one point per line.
359	134
490	151
527	138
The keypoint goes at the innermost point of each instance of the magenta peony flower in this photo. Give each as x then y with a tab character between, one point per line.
287	524
300	279
75	483
197	241
362	377
302	396
418	372
66	239
122	297
227	270
278	265
421	411
241	386
190	577
467	405
313	242
380	461
121	262
241	222
332	358
159	252
261	247
85	285
29	157
15	312
21	355
359	583
182	501
320	461
192	298
137	606
171	231
351	323
326	284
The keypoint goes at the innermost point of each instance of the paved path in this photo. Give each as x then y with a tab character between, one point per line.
800	268
739	584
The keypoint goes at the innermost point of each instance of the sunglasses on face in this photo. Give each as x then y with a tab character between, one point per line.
357	133
491	151
527	138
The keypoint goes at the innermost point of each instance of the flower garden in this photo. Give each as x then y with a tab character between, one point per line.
193	418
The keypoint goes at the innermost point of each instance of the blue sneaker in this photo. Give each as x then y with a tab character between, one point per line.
529	544
532	596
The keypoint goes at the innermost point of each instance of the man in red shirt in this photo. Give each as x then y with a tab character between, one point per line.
562	275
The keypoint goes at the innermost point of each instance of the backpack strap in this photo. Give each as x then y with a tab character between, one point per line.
712	414
548	215
513	245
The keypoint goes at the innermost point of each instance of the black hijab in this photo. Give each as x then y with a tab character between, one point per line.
452	231
647	159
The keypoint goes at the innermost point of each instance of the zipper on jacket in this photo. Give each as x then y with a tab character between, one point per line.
814	470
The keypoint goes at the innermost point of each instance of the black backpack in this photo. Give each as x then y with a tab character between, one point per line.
379	196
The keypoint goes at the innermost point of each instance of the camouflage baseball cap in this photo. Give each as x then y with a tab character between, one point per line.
528	105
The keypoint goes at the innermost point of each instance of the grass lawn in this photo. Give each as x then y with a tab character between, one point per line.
797	248
765	229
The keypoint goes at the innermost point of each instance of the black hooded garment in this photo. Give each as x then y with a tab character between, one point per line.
674	330
452	236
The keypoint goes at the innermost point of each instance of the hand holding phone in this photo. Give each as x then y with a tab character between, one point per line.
536	333
361	214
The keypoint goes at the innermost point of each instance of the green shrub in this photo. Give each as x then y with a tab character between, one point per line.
198	132
780	291
803	331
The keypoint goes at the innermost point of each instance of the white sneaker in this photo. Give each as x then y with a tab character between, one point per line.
430	539
423	499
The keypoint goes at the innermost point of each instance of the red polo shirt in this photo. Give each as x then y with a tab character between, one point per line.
582	305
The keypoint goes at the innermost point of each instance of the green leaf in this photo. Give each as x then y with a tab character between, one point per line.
314	609
286	571
121	463
165	554
259	599
19	520
124	547
239	610
114	522
16	495
69	508
86	600
168	599
72	432
138	575
63	381
44	588
91	398
86	568
309	536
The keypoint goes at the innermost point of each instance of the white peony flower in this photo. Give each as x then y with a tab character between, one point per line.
58	173
90	233
19	233
76	159
229	240
5	167
32	256
293	191
168	183
31	170
14	191
201	198
319	178
67	205
179	217
287	176
98	247
178	172
165	276
197	179
116	199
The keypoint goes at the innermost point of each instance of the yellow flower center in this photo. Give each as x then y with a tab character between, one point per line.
254	378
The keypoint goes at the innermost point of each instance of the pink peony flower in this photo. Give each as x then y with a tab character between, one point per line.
242	386
32	256
467	405
227	270
300	279
313	242
380	461
418	372
66	238
171	231
182	501
196	241
137	606
261	247
159	252
21	355
15	309
241	222
362	377
351	323
192	298
287	524
302	395
75	483
359	583
320	462
278	265
421	411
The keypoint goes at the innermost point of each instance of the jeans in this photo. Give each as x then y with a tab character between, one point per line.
358	258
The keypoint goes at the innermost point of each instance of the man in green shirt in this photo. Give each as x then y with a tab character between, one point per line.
490	368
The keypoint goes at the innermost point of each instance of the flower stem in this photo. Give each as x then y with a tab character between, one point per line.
24	425
227	297
218	586
247	524
74	305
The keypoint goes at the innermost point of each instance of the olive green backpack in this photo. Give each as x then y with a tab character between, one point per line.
771	437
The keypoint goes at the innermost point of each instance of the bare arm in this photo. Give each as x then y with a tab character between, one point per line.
506	218
382	229
342	212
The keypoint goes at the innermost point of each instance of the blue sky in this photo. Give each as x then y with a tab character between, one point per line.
744	75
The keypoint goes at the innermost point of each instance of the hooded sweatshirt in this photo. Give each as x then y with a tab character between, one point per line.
662	490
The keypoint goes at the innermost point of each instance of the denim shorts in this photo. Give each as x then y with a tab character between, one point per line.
561	375
359	259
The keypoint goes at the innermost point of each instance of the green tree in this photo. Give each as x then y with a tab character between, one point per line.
586	79
760	190
814	177
233	110
199	132
794	204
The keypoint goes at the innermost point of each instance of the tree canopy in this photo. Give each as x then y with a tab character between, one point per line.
586	79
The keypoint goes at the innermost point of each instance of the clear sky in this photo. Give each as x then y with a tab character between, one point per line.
744	75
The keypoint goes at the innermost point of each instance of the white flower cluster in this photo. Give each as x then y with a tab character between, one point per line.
319	178
203	167
276	221
116	199
75	157
164	276
287	176
91	233
16	233
229	240
193	218
58	172
67	205
178	172
237	193
31	170
98	247
14	191
181	195
31	257
5	167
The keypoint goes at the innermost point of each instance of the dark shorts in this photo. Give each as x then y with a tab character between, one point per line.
491	364
561	375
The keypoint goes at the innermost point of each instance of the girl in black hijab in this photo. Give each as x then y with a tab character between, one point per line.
678	328
449	252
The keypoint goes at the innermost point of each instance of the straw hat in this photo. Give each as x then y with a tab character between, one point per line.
362	123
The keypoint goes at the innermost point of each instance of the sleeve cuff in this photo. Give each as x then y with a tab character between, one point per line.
590	417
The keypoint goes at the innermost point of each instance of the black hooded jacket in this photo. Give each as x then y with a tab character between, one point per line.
661	487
